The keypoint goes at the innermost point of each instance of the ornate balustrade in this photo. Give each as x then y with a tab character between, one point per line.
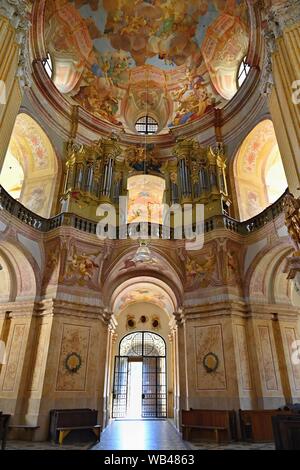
13	207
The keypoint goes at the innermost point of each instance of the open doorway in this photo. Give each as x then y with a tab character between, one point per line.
140	377
135	390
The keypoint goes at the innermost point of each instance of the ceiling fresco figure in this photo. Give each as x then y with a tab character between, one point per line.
103	50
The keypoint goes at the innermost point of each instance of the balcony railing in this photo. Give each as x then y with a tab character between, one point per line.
65	219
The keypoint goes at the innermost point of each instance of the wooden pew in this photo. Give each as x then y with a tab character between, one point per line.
4	420
220	422
28	428
286	430
256	425
62	422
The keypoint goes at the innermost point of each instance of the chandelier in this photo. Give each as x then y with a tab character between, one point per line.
143	254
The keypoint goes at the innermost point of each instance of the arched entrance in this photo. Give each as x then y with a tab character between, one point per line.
146	299
140	377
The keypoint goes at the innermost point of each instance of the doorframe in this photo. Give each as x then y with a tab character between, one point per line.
139	358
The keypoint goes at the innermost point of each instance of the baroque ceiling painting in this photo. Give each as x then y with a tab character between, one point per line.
121	58
144	292
145	201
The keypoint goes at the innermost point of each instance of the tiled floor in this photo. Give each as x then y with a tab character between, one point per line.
140	435
232	446
22	445
160	435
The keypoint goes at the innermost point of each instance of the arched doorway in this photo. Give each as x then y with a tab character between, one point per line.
145	299
140	377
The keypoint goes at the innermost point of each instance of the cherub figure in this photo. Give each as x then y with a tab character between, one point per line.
81	267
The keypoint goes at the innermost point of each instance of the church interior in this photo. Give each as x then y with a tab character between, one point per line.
150	224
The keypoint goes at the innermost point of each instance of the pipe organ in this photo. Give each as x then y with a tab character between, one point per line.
98	173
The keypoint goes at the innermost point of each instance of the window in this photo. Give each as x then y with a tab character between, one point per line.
146	125
48	65
243	72
142	343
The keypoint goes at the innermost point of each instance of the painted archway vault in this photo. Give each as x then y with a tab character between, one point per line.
259	175
30	168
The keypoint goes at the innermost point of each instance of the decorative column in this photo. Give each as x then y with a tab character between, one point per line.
180	379
282	69
14	69
18	335
4	331
264	360
286	333
111	338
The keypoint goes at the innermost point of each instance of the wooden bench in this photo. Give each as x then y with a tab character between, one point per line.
63	432
25	427
286	430
62	422
4	420
256	425
220	422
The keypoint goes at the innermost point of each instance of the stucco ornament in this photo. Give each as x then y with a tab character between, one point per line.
18	13
278	17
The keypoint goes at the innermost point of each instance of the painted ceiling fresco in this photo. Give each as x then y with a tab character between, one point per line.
144	292
259	174
30	168
109	52
146	194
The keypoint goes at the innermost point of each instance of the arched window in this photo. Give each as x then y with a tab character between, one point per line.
259	175
29	172
243	72
146	125
142	344
48	65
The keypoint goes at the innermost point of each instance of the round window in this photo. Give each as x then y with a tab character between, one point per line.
146	125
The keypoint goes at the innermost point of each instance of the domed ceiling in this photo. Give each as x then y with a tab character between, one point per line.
174	60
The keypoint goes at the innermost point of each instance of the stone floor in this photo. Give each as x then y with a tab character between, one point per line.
232	446
22	445
140	435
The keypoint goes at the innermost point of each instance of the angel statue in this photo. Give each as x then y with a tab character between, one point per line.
292	219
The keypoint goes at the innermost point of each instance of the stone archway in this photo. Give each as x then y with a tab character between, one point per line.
144	290
143	304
